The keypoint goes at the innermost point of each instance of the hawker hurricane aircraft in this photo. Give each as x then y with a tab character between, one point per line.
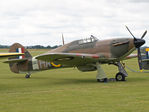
85	54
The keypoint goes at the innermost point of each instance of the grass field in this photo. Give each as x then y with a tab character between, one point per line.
69	90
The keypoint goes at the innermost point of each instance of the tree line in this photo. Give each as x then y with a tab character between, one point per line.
34	47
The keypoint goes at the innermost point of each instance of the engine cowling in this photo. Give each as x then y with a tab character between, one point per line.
87	68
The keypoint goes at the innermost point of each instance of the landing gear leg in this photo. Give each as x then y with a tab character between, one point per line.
28	75
101	76
122	74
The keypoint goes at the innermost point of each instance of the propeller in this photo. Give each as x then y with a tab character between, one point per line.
138	43
144	34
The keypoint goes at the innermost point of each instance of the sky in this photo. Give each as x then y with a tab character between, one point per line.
42	22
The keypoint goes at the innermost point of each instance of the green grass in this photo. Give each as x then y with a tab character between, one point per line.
69	90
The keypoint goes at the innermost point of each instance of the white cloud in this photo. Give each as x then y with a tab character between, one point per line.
43	21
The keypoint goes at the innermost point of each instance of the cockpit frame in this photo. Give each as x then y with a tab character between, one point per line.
88	40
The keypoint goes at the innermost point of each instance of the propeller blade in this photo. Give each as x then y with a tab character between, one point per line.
144	34
130	32
139	59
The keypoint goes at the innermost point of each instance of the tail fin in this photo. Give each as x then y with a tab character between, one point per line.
14	61
16	47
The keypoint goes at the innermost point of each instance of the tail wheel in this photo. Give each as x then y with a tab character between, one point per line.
120	77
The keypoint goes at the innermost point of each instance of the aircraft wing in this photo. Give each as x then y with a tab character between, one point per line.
73	59
16	60
131	56
135	56
10	54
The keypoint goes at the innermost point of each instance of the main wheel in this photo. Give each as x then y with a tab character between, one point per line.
102	80
27	76
120	77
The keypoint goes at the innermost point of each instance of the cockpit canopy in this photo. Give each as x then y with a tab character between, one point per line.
88	40
82	44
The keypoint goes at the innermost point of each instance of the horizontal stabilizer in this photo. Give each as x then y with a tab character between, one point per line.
11	54
16	60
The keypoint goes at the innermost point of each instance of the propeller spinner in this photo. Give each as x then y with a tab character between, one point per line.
138	43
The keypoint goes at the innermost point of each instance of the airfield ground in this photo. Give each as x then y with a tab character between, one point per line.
69	90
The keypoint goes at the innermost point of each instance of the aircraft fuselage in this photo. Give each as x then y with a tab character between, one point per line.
112	48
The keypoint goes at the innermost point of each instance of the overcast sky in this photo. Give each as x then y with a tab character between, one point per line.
32	22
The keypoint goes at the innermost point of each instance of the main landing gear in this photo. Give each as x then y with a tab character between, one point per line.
120	76
102	80
101	76
28	75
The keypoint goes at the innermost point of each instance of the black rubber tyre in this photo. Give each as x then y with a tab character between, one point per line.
102	80
27	76
120	77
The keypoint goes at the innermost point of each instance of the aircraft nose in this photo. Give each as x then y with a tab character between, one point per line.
139	42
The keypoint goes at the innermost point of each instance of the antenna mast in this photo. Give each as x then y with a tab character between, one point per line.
63	39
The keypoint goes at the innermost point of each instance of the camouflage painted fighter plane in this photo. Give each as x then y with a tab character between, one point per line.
85	54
